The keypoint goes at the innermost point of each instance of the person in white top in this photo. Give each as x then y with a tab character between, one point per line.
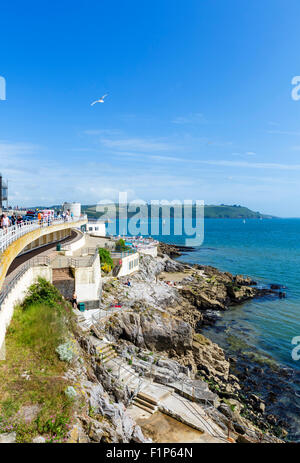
5	222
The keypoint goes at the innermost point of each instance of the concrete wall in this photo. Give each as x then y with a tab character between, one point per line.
129	265
96	229
47	239
72	247
88	283
16	295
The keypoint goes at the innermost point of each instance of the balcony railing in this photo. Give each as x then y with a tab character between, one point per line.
14	232
119	255
86	260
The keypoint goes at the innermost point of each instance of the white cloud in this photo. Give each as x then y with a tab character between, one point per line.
223	162
8	149
137	144
253	165
108	132
247	153
284	132
194	118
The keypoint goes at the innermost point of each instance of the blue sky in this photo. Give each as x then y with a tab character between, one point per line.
199	103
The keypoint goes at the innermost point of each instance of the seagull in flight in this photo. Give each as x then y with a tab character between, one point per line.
101	100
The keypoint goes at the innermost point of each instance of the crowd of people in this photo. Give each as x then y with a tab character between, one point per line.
7	221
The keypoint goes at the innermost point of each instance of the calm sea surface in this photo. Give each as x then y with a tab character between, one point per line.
269	251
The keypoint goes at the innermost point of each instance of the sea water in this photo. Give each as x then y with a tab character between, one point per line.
268	251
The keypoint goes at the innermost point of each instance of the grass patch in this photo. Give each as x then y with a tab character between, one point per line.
32	397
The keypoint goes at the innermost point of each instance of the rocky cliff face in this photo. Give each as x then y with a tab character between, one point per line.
164	318
152	329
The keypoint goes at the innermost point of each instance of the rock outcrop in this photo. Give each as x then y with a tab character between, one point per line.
152	329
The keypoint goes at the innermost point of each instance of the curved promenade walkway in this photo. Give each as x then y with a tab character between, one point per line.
16	238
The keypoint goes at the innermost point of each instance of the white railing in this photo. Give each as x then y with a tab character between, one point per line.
11	234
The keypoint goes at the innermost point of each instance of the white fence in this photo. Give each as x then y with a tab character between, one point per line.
11	234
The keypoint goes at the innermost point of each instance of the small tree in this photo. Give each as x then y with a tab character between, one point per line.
121	246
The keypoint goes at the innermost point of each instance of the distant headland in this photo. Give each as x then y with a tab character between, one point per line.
222	211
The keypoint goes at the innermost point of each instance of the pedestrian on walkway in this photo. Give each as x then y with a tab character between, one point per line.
5	222
74	301
40	218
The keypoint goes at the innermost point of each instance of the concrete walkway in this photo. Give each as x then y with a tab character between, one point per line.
164	399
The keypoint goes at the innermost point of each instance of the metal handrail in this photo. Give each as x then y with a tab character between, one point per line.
117	254
84	261
14	232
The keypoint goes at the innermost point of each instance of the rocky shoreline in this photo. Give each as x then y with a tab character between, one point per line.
155	337
221	291
166	317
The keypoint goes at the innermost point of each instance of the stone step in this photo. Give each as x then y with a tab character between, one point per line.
108	354
106	348
85	324
96	331
143	402
109	357
147	398
129	380
126	376
146	409
104	352
133	382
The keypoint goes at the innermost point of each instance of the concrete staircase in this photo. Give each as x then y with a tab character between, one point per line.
104	349
87	319
146	402
150	397
146	397
106	353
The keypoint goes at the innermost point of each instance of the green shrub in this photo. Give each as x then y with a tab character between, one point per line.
65	351
106	268
42	292
105	258
121	246
55	427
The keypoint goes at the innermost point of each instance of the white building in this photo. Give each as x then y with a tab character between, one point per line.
74	208
96	228
128	261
